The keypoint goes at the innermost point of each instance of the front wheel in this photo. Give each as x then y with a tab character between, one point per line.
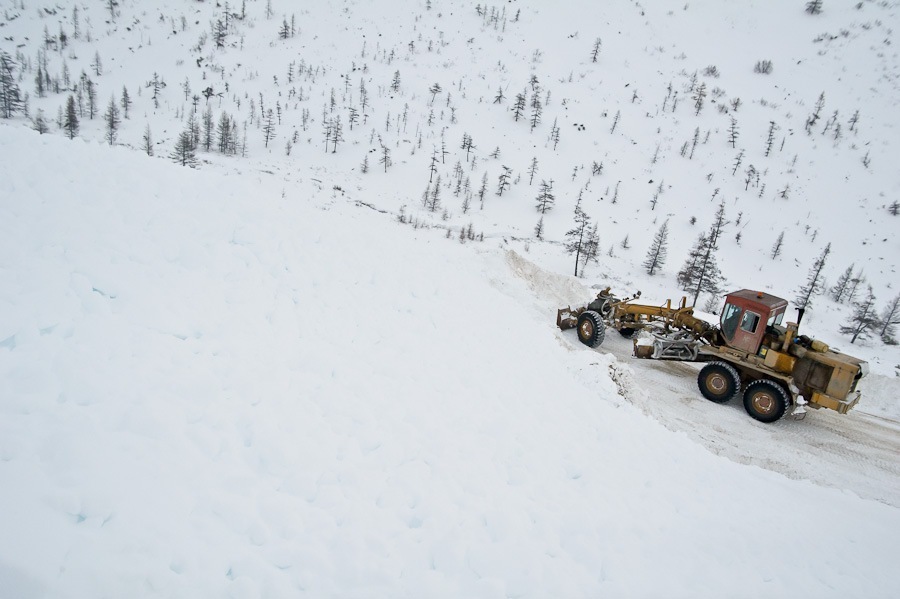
591	329
766	400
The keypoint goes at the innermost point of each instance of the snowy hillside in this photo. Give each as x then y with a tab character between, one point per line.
323	361
206	394
648	112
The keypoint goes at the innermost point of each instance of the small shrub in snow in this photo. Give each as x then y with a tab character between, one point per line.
711	71
764	67
894	208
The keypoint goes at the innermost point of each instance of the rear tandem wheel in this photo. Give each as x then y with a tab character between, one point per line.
765	400
719	382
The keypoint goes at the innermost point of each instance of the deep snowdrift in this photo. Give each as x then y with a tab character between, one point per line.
211	388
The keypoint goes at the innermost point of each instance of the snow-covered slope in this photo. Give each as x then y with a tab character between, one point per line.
213	388
634	110
278	375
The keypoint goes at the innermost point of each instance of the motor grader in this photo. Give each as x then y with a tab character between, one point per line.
777	370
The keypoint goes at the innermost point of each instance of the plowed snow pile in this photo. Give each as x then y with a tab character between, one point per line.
209	390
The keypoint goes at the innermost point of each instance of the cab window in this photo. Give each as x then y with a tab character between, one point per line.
731	316
749	322
775	319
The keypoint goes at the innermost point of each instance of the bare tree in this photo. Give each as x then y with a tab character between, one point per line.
70	118
126	102
385	157
841	287
269	127
615	122
814	117
776	249
656	257
814	281
577	236
595	52
111	117
539	229
770	138
733	132
337	133
519	106
537	110
432	196
39	123
503	181
545	198
467	145
591	248
698	97
701	271
147	141
532	169
890	318
97	64
863	321
10	95
435	90
184	153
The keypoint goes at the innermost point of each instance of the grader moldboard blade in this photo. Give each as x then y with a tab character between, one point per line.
567	318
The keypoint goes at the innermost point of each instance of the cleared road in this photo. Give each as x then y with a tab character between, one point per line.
857	451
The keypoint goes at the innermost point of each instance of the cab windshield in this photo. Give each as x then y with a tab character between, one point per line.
731	317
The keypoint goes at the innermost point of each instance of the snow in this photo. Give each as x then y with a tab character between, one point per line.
241	381
204	398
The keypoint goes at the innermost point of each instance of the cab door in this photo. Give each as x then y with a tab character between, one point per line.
749	333
742	327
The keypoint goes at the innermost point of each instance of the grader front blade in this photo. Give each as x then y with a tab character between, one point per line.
567	318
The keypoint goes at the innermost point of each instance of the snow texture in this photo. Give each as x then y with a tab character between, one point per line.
215	390
250	379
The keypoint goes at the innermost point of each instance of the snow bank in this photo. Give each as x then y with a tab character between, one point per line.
882	396
208	389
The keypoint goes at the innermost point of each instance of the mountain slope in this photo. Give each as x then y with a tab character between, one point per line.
665	151
210	388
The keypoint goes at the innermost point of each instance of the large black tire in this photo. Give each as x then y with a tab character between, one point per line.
591	329
766	400
719	382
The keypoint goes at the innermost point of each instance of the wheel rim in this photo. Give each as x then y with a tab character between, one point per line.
717	383
763	402
586	329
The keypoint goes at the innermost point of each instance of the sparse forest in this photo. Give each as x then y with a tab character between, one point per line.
399	102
